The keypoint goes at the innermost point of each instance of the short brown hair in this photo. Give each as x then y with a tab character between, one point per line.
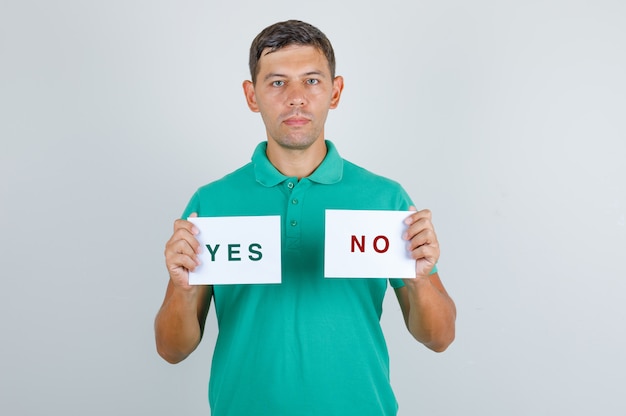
290	32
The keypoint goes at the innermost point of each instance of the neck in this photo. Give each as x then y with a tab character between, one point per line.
296	162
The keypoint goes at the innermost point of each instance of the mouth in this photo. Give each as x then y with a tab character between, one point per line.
296	121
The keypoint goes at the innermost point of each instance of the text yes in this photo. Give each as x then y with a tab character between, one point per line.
234	251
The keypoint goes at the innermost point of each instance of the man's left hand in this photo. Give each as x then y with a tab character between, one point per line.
422	241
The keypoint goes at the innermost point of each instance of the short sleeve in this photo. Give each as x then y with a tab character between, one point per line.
192	206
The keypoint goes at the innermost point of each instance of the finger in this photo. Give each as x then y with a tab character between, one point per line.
427	252
424	237
418	215
187	231
181	224
419	226
180	257
423	225
177	261
182	242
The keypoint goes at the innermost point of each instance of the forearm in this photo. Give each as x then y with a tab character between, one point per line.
177	326
431	313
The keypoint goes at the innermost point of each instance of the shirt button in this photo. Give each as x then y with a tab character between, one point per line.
290	185
294	223
294	201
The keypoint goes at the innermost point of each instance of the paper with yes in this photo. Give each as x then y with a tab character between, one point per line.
238	250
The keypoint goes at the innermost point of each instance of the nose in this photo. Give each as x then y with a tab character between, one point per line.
297	96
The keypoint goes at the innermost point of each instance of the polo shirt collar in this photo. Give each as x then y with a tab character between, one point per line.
330	171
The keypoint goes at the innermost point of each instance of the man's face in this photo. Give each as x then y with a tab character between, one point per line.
293	92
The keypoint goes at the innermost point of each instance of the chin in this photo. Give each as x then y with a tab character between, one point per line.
296	143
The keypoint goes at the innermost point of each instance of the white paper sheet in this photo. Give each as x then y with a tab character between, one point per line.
238	250
366	244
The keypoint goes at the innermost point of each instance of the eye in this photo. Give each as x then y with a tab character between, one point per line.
278	83
312	81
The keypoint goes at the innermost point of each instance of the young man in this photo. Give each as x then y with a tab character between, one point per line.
307	346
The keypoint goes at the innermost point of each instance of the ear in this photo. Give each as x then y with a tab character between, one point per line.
248	90
337	89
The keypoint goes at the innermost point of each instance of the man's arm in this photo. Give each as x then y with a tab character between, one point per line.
428	310
429	313
179	324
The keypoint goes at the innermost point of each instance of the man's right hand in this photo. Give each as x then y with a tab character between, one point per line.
181	253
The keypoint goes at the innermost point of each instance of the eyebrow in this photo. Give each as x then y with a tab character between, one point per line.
306	74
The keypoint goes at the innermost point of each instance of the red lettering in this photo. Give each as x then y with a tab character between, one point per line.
360	246
381	237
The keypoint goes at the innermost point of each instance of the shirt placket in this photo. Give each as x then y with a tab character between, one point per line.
295	191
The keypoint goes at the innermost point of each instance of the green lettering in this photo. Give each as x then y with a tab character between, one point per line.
232	252
252	251
208	246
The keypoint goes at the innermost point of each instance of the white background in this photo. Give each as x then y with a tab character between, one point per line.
506	119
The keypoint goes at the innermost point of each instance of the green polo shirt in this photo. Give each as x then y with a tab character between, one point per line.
307	346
